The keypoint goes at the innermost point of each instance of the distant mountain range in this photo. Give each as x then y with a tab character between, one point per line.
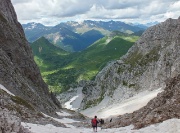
146	25
74	36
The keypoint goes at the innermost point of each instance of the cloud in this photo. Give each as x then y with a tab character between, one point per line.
175	6
122	4
54	11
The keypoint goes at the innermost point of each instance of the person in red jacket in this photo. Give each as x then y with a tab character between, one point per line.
94	123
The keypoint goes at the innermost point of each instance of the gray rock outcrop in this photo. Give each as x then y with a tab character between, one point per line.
152	60
10	123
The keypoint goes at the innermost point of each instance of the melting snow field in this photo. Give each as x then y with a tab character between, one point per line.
169	126
104	111
127	106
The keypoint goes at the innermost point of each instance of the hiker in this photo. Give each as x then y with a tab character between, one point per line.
94	123
111	120
101	121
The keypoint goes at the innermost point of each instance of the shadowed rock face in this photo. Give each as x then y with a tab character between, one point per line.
18	71
165	106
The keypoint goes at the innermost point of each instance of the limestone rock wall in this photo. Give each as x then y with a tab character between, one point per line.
152	60
18	71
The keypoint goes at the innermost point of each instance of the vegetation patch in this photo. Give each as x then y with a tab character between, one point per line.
121	69
91	103
150	57
141	62
2	18
133	59
132	85
125	83
21	101
39	114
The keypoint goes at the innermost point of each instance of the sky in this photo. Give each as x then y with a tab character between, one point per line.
52	12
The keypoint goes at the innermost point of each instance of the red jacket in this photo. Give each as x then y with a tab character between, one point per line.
94	122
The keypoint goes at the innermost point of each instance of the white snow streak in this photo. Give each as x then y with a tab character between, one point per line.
65	121
3	88
74	102
63	113
68	104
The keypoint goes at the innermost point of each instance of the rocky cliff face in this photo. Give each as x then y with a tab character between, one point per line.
165	106
152	60
18	71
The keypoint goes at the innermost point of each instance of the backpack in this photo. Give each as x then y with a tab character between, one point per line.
94	122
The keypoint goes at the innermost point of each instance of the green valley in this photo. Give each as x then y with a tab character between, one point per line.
61	69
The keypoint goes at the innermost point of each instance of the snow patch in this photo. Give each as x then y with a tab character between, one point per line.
127	106
75	102
68	104
3	88
52	129
65	121
168	126
63	113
